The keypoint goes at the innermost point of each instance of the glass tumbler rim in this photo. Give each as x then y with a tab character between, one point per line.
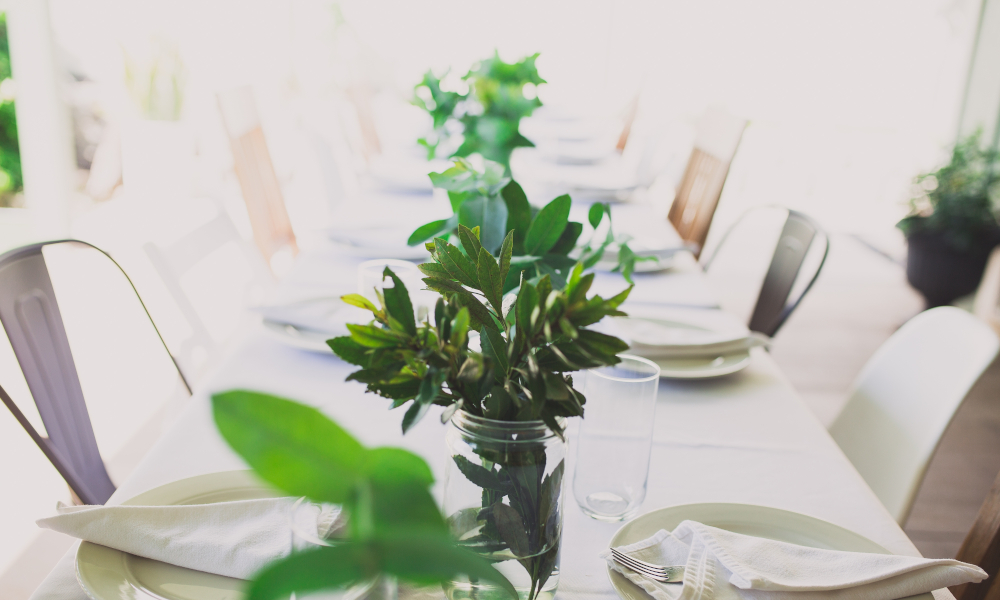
644	379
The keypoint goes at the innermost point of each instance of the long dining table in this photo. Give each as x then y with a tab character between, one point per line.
742	438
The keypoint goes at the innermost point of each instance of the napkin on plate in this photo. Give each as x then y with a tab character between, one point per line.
721	565
234	539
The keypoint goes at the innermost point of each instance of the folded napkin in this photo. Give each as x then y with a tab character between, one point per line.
234	539
328	315
721	565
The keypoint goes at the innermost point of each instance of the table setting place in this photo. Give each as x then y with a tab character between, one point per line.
489	349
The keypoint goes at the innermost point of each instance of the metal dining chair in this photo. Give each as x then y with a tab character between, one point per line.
31	319
981	547
775	303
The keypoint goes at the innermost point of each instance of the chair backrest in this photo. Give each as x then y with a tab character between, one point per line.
33	323
905	396
272	229
987	303
982	547
172	261
717	140
775	302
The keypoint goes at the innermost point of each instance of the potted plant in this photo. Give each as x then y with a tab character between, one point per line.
952	226
394	527
487	113
506	396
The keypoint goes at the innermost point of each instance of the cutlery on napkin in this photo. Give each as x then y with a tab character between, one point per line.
235	539
722	565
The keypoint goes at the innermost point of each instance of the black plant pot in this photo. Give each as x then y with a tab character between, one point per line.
942	273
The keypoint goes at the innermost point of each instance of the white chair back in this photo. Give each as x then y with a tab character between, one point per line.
987	302
906	396
176	259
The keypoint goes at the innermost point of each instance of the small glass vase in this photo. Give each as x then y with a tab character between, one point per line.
503	496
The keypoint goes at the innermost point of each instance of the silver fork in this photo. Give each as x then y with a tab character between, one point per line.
661	573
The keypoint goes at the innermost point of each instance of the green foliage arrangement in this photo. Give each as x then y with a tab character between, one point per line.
488	114
529	341
394	525
529	344
11	181
960	200
544	239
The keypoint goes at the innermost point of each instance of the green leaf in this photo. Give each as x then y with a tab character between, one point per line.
460	327
527	301
313	570
349	350
397	302
488	213
567	241
397	465
506	252
359	301
432	230
470	241
427	559
292	446
495	347
399	507
490	281
434	270
461	268
547	226
481	476
512	529
374	337
518	212
596	213
601	343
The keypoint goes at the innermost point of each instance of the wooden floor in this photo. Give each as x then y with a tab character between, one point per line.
861	298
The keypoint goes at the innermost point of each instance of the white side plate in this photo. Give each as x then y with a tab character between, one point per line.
108	574
760	521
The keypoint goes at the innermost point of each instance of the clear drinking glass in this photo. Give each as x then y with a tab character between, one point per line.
612	452
370	278
315	525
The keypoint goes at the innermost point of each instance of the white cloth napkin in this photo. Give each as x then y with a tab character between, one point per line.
234	539
721	565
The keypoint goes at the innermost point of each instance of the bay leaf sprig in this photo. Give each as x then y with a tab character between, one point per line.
530	341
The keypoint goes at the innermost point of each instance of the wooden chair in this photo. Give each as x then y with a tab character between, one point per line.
718	137
272	229
987	302
982	547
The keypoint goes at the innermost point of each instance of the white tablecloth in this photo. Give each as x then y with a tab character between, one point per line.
742	438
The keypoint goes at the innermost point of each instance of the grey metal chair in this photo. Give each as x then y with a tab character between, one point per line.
31	318
774	304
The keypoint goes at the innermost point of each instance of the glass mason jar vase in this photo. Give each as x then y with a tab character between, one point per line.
503	496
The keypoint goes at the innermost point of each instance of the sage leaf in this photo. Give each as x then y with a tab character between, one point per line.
470	241
495	347
451	258
373	337
567	241
490	214
479	475
359	301
348	350
314	570
518	212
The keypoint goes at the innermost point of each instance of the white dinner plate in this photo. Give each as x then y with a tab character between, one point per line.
300	337
759	521
690	368
108	574
377	242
